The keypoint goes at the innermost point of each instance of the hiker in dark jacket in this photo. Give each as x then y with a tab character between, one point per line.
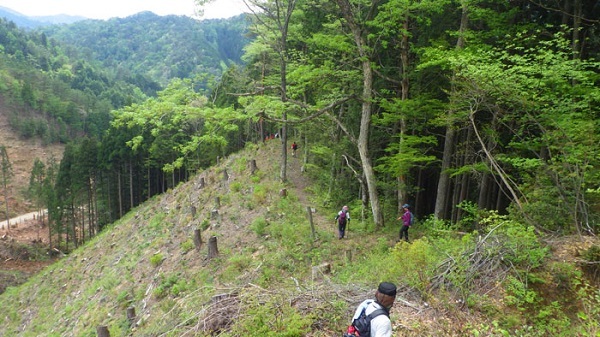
342	218
406	221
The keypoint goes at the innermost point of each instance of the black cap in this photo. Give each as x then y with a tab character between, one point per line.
387	288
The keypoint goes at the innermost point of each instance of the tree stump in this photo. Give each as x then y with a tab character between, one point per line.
201	183
283	192
213	251
217	202
214	214
318	272
197	238
349	256
131	315
225	175
193	211
253	167
102	331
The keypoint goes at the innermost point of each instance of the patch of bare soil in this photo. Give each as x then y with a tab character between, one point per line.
20	252
16	262
21	154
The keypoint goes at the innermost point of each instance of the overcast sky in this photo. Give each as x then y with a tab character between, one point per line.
105	9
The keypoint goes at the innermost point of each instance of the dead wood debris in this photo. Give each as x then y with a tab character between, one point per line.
218	315
477	270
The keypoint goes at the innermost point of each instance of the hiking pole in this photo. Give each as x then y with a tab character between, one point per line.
348	228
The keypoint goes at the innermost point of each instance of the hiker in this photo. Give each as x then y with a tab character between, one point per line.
407	221
342	218
294	148
372	317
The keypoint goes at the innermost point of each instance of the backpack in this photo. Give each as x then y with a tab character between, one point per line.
342	218
412	219
362	325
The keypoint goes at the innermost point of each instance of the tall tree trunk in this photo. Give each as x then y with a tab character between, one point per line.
130	183
484	200
444	180
404	90
465	178
120	193
366	111
577	14
441	200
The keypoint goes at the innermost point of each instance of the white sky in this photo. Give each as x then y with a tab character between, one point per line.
105	9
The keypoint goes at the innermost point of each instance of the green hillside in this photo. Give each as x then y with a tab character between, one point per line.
273	277
158	47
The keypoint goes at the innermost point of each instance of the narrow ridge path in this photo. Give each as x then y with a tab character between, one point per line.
299	181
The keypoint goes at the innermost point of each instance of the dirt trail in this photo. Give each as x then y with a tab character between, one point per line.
25	228
297	179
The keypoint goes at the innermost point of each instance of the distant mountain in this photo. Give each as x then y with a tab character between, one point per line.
158	47
59	19
31	22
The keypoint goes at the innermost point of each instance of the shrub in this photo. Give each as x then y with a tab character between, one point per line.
520	245
259	194
156	259
416	262
591	264
259	226
236	186
187	245
172	284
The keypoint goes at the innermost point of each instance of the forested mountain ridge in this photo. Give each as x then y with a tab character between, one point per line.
55	93
36	21
160	47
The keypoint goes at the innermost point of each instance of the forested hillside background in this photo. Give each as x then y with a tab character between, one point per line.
483	116
159	47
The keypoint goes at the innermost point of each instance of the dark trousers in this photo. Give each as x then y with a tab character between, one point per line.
341	230
404	232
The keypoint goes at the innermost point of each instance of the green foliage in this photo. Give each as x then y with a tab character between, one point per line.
591	262
124	299
589	312
259	194
151	56
187	246
205	224
415	262
235	266
50	86
259	226
565	276
172	285
236	187
156	259
521	245
519	294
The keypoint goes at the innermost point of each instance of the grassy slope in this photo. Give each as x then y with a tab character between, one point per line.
263	277
147	259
